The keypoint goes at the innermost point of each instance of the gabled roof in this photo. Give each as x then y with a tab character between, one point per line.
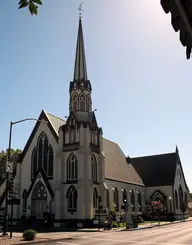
116	167
156	170
54	123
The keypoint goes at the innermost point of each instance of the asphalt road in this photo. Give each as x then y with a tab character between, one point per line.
175	234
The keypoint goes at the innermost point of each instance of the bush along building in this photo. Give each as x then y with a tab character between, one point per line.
69	171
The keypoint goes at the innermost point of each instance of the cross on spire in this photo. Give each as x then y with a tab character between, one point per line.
80	9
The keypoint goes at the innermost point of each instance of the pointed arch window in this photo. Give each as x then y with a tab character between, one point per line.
75	102
82	102
24	201
50	162
88	106
72	166
180	196
176	200
72	199
95	198
124	196
94	168
45	151
34	166
42	157
132	200
42	151
139	199
116	199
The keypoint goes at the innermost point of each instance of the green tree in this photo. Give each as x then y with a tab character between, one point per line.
190	194
3	158
31	4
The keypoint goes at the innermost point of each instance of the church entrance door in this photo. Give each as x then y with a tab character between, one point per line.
39	200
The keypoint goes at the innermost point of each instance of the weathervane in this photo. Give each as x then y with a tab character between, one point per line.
80	9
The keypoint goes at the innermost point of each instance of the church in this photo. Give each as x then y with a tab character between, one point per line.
67	168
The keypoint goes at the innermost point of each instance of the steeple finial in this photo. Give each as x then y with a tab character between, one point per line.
80	71
80	9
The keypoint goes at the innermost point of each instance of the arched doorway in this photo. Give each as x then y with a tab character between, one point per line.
39	200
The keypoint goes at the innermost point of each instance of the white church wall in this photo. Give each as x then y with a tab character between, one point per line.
26	163
85	184
127	186
179	180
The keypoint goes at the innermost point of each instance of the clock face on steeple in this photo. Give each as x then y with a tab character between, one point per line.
179	173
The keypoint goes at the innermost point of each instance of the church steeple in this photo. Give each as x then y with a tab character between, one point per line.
80	71
80	87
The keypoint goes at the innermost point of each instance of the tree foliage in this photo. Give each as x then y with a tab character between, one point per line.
3	159
31	4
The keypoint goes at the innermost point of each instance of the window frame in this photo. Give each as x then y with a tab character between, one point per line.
72	168
82	102
40	156
75	106
94	167
72	197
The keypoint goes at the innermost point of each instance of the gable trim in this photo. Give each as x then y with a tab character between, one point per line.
41	171
42	116
179	163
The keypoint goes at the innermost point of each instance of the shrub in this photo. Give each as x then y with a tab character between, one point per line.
140	219
29	235
113	213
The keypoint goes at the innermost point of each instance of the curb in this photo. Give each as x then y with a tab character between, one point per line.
45	241
154	226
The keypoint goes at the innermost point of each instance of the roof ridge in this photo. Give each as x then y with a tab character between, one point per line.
160	154
55	116
110	141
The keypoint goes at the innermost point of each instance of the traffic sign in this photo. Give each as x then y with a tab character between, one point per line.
9	167
13	195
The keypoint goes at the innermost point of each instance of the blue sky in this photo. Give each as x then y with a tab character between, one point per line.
140	77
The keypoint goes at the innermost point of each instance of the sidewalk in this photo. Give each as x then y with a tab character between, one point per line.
149	225
41	237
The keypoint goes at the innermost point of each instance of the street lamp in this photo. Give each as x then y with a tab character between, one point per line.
9	170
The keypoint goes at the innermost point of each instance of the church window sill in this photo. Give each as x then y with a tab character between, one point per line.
72	210
71	146
71	182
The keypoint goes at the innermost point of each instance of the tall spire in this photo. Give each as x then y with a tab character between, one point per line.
80	71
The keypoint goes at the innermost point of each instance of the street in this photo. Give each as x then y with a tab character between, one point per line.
175	234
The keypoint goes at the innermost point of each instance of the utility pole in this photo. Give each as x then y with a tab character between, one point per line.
9	169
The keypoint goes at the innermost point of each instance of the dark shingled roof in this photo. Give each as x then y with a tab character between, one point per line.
156	170
116	167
